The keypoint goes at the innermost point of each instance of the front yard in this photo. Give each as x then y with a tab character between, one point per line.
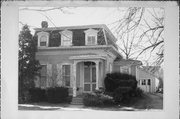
147	102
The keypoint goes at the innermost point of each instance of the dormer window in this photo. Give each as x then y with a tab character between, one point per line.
91	40
43	39
91	37
66	38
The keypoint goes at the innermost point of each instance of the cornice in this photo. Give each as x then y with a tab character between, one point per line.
73	48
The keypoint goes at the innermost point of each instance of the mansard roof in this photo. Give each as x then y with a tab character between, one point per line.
108	34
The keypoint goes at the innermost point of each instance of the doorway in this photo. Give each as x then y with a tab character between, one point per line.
89	76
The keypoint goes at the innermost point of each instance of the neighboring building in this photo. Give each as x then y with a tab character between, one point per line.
79	57
147	81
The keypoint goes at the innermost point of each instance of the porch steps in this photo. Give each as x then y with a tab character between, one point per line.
77	101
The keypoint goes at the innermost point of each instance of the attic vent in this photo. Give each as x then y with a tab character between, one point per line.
44	24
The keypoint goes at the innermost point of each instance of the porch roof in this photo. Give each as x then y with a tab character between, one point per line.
127	62
87	57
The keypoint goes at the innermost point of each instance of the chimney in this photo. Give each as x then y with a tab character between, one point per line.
44	24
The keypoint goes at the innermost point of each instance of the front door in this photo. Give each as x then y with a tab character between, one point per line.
89	77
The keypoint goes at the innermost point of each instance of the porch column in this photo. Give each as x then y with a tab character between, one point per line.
102	73
97	75
74	81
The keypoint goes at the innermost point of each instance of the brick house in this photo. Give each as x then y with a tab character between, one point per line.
79	57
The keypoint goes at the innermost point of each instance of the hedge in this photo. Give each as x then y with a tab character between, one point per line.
51	95
114	80
37	95
57	94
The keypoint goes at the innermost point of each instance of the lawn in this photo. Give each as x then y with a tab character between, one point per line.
146	102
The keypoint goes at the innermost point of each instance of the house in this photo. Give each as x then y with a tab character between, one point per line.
79	57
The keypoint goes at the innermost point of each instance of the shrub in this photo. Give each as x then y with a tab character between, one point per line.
37	94
106	100
57	95
96	99
121	94
91	99
138	92
114	80
23	97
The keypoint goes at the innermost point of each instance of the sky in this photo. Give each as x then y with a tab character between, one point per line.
70	16
73	16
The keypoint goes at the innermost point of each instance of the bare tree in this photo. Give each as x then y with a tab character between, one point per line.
140	31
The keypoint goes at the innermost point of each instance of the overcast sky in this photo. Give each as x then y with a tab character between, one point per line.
72	16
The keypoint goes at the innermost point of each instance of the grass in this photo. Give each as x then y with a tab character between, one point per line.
147	101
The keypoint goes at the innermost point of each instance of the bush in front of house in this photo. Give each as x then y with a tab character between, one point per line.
97	100
57	95
114	80
122	94
91	99
37	95
23	97
106	100
120	86
137	92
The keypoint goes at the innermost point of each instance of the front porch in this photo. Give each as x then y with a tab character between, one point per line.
87	74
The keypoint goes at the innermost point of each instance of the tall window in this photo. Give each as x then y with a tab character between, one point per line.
66	74
43	76
66	38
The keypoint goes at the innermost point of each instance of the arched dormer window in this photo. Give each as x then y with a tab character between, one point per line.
43	39
91	37
66	38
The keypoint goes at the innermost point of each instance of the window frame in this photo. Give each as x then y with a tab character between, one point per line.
90	33
64	35
43	34
70	66
91	43
43	76
143	82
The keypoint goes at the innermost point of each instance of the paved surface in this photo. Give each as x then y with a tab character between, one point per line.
156	101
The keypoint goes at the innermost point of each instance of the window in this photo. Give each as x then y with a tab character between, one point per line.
91	40
66	74
125	69
43	76
91	37
144	82
66	38
43	39
149	81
